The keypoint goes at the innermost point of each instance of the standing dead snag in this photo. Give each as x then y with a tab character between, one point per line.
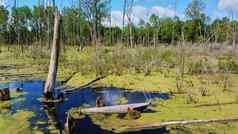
99	102
51	79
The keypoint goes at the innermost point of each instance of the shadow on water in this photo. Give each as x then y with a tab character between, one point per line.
56	115
86	126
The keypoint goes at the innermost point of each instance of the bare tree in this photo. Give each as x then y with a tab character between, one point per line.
234	29
129	11
123	19
51	79
181	65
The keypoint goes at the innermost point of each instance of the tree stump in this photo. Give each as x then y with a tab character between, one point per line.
99	102
5	94
133	114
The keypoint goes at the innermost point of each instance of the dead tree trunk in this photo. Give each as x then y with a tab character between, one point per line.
131	34
50	83
129	10
123	20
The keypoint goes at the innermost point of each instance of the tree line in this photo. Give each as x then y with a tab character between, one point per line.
82	24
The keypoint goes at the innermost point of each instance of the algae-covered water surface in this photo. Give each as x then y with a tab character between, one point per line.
52	119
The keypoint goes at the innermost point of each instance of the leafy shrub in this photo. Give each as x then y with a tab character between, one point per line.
168	57
228	65
191	99
203	91
199	67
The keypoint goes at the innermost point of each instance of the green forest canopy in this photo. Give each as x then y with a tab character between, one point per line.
83	24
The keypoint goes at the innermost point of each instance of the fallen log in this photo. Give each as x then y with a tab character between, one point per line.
177	123
88	84
116	109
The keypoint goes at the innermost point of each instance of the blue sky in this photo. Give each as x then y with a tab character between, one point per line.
164	8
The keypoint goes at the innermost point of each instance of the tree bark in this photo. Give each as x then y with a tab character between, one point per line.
51	79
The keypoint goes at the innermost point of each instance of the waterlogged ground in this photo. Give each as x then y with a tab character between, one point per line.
204	95
27	108
215	103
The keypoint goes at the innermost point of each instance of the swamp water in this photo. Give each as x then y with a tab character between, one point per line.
85	97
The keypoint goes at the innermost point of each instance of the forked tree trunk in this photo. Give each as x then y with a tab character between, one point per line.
51	79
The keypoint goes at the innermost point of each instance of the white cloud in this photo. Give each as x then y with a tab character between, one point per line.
140	12
2	3
163	11
228	5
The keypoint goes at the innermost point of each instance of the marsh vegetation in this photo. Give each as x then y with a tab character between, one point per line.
187	67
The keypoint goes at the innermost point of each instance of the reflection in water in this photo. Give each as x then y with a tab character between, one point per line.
56	115
53	120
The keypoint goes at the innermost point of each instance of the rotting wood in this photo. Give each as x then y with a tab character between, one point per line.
177	123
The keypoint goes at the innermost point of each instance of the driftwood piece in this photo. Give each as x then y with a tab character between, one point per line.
116	109
177	123
5	94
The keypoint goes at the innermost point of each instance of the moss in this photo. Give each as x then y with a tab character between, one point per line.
154	82
174	109
15	94
75	113
127	69
213	128
17	123
5	106
215	105
121	101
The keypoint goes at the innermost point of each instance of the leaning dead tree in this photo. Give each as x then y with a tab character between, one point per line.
51	79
